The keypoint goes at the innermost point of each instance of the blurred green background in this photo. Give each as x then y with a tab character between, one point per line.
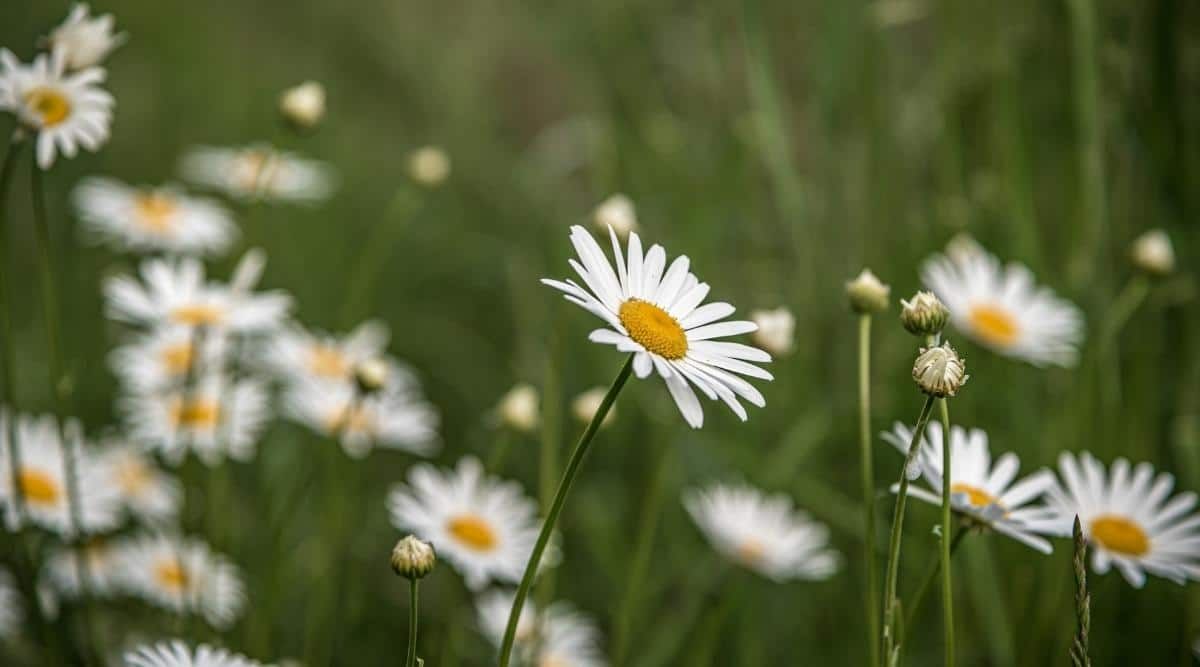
782	146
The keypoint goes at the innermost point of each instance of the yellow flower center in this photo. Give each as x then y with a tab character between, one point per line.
196	413
172	575
177	358
355	420
198	314
155	211
133	476
327	361
1116	533
994	325
751	552
473	532
552	661
50	105
38	487
653	329
254	169
975	495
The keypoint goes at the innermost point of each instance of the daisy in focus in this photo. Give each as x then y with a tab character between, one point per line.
175	292
43	486
148	493
1002	308
300	355
483	526
762	532
654	312
177	654
1127	518
984	492
162	358
216	417
258	172
558	636
10	605
84	40
67	111
104	568
153	219
184	576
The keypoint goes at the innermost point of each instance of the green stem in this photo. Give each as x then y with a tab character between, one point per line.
1089	138
947	580
866	461
556	506
918	596
411	661
893	563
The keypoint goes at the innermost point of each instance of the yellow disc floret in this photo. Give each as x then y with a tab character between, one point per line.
653	329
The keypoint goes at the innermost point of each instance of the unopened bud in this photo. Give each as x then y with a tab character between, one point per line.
939	371
585	405
617	212
776	330
413	558
429	166
924	314
304	105
518	408
1153	253
371	375
867	294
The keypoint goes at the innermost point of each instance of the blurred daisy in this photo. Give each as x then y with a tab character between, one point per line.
84	40
258	172
162	358
175	292
776	330
558	636
184	576
153	220
1127	518
978	489
657	315
150	494
66	110
177	654
43	486
213	418
1002	308
396	417
763	533
585	405
519	408
104	568
483	526
10	605
298	354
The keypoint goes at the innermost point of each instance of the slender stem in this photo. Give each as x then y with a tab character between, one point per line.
1083	601
6	339
411	661
893	563
556	506
866	461
947	580
935	566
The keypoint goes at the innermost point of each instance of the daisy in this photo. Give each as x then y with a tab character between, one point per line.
299	355
1000	307
84	40
396	417
214	418
148	493
177	654
10	605
184	576
558	636
43	486
978	489
66	110
103	558
153	219
656	314
162	358
762	532
1127	518
482	525
175	292
258	172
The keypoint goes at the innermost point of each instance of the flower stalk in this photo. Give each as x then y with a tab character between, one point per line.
866	461
1083	601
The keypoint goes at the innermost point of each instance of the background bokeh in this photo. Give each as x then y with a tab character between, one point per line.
782	146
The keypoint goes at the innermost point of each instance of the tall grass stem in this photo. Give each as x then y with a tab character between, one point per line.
867	462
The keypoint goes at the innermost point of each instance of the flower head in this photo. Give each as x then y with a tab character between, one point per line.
867	294
557	636
104	559
153	219
518	409
184	576
298	355
257	172
304	105
162	358
1153	253
939	371
148	493
84	40
429	166
776	330
618	213
413	558
654	312
924	314
177	654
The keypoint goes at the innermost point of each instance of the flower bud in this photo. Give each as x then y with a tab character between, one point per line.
585	405
304	105
867	294
924	314
429	166
617	212
1153	253
518	408
776	330
413	558
371	375
939	371
84	40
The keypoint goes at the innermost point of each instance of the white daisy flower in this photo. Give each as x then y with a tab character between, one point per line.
43	485
162	358
104	567
396	417
177	654
11	611
84	40
483	526
978	489
762	532
258	172
184	576
163	219
1002	308
1127	518
655	312
299	355
175	292
66	110
558	636
150	494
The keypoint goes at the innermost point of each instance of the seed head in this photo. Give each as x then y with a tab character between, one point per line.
939	371
371	375
1153	253
924	314
867	294
413	558
429	166
304	105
